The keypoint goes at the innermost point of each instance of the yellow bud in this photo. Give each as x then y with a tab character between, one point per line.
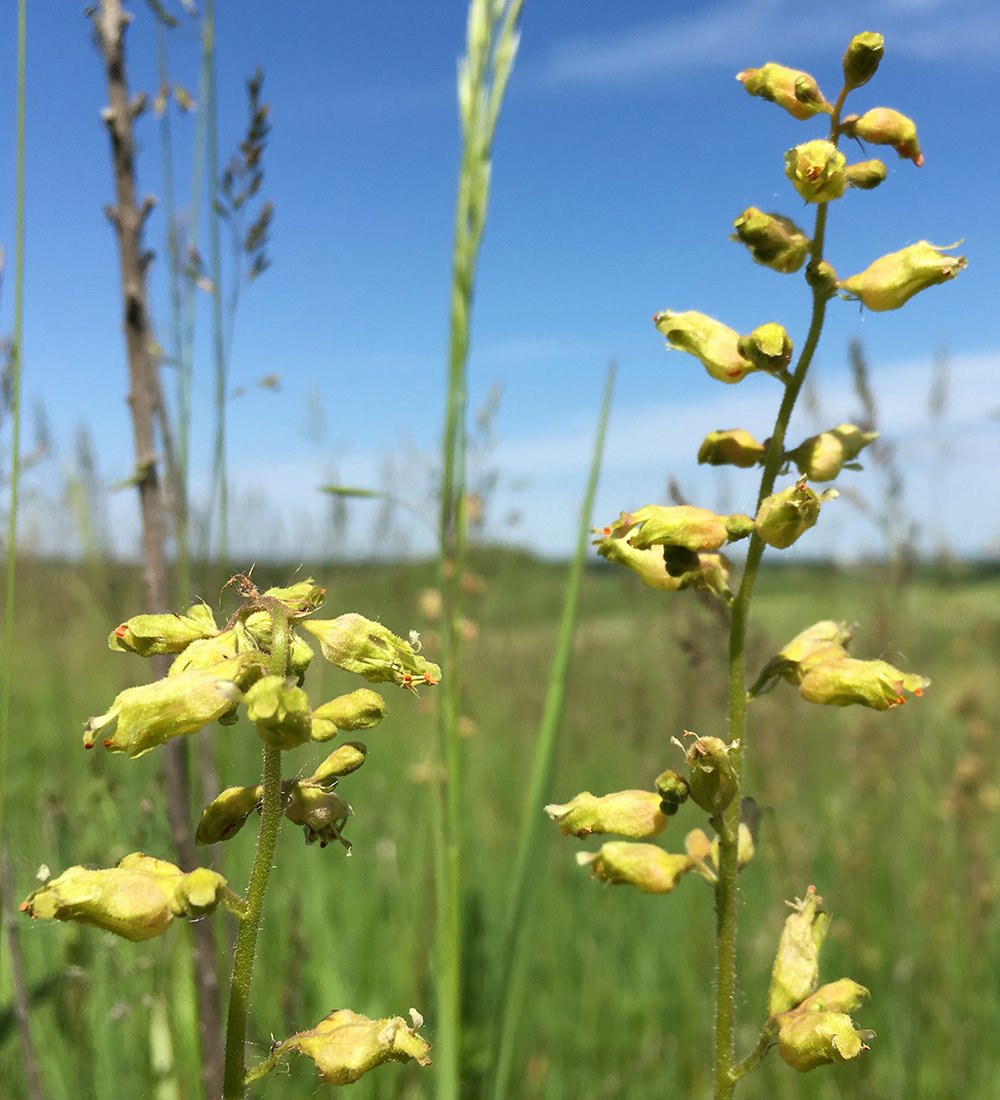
644	866
684	525
150	714
137	899
891	281
280	709
796	965
346	1045
712	778
773	240
785	516
866	175
342	761
796	91
300	598
709	341
884	126
367	648
816	170
634	814
844	680
862	58
149	634
733	447
823	456
227	813
813	1039
359	710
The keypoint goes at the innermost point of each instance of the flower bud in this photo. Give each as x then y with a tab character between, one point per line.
300	598
712	778
359	710
150	714
866	175
822	277
773	240
358	645
320	811
346	1045
892	280
812	1039
844	681
843	995
768	347
816	170
709	341
137	899
707	572
227	813
796	91
784	517
345	759
634	814
733	447
673	790
683	525
823	641
149	634
281	712
862	58
822	457
796	965
645	866
883	126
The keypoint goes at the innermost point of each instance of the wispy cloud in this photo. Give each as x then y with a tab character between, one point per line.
737	34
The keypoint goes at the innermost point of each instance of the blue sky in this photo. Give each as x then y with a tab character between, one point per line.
625	150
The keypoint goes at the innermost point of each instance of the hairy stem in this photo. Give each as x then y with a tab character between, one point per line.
727	886
246	939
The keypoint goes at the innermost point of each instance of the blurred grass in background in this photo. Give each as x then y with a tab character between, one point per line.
893	816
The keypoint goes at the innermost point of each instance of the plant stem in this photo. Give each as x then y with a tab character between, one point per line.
234	1087
727	886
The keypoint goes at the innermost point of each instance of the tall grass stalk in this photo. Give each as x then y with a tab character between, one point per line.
10	573
8	934
539	785
220	489
491	46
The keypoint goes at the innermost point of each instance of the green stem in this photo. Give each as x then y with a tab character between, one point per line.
491	47
727	886
234	1087
7	673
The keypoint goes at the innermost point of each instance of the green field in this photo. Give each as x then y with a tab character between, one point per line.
893	816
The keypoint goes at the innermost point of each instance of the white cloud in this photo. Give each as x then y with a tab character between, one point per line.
738	34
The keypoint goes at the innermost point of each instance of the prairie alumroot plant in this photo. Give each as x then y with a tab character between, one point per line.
258	659
672	548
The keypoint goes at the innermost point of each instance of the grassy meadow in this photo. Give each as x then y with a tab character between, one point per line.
894	818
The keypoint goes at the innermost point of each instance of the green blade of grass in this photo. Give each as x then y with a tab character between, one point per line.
525	869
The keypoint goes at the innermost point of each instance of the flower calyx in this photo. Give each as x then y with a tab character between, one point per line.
773	241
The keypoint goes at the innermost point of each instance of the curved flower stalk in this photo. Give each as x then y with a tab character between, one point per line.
256	661
674	548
